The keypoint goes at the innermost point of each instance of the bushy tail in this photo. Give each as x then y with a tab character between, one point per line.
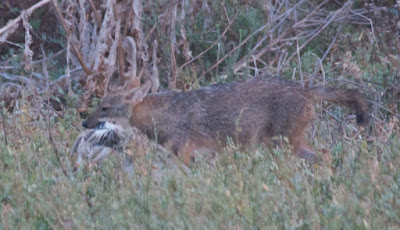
348	97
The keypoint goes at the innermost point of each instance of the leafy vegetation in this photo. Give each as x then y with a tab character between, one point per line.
355	186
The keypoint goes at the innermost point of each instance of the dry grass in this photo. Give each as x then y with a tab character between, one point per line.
355	186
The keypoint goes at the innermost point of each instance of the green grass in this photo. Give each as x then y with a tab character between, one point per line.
355	187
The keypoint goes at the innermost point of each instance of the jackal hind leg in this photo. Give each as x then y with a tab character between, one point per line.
301	149
183	148
187	152
191	149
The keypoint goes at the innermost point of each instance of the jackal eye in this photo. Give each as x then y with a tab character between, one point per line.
104	109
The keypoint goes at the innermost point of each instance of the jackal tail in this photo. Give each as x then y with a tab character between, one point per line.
348	97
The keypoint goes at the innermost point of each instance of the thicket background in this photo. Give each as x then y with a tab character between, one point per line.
58	57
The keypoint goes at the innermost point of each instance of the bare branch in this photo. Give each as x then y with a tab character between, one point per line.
12	24
320	29
96	14
28	53
69	33
211	46
154	74
172	82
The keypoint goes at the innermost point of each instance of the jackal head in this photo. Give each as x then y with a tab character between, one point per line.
117	107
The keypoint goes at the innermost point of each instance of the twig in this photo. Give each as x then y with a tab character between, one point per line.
14	44
212	45
35	62
256	71
29	11
354	136
369	20
323	74
294	73
320	29
69	34
154	70
21	79
172	83
297	48
332	115
325	55
282	59
150	32
9	67
234	49
58	53
309	14
51	137
97	17
299	63
3	118
242	62
281	19
384	108
226	13
129	21
362	16
44	66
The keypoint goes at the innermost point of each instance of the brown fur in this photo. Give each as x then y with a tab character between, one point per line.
250	113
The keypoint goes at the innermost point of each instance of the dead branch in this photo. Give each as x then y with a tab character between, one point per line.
172	82
129	45
155	82
69	33
324	25
12	24
299	64
320	60
20	79
96	14
131	78
234	49
28	53
211	46
3	120
51	138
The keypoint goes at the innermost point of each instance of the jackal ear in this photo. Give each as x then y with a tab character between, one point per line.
135	96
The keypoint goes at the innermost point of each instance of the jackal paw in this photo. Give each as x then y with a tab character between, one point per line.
308	155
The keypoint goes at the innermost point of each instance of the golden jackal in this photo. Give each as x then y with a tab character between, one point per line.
251	112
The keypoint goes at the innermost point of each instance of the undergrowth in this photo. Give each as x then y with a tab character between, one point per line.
355	186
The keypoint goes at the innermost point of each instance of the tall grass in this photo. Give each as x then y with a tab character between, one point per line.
356	186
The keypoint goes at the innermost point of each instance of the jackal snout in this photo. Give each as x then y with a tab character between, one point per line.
93	123
99	125
85	124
